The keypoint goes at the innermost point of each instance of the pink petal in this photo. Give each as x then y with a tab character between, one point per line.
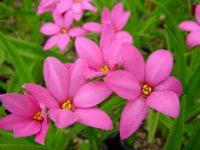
107	37
132	117
19	104
158	67
68	65
50	29
124	84
193	39
77	17
124	37
42	95
122	21
62	117
63	6
51	42
91	94
172	84
88	6
189	26
76	8
27	128
77	76
8	122
68	18
166	102
57	78
63	41
106	16
94	74
117	9
133	61
93	27
94	117
77	31
197	13
89	51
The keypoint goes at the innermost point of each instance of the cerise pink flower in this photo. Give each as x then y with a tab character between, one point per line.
74	8
144	85
69	98
194	29
27	116
117	18
60	32
46	6
101	59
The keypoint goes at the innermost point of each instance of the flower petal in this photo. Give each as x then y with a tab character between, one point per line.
133	61
51	42
124	37
68	19
171	83
63	41
93	27
91	94
94	117
89	51
76	8
158	67
124	84
88	6
94	74
77	76
56	78
193	39
19	104
106	16
8	122
62	117
166	102
58	19
189	26
49	29
27	128
42	95
133	114
197	13
77	31
122	21
63	6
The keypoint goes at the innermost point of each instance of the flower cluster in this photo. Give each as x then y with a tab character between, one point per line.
70	96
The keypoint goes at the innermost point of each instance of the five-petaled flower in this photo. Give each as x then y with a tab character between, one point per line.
27	117
117	18
60	31
194	29
69	98
144	85
74	8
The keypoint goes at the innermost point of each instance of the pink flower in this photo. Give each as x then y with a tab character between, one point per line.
74	8
60	32
145	85
101	60
69	98
118	18
194	29
46	6
27	117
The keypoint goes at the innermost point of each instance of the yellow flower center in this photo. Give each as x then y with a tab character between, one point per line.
38	116
63	30
146	90
77	0
105	68
67	105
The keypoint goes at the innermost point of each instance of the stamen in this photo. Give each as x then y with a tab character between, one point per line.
67	105
63	30
38	116
77	0
146	90
105	68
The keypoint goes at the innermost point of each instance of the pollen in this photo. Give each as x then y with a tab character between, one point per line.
146	90
77	0
63	30
105	68
67	105
38	116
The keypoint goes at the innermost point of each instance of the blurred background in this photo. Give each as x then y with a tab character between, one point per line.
153	25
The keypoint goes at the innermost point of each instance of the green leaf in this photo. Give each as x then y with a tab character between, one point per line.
22	147
152	124
193	143
175	136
